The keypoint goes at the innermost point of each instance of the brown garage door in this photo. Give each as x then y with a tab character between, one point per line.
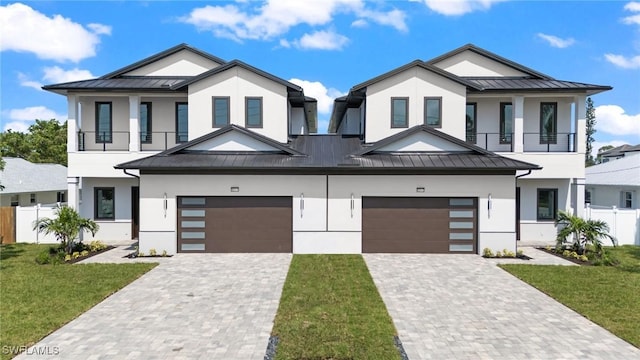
419	225
234	224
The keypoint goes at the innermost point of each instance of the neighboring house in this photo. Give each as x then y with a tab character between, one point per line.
619	152
27	184
615	183
241	172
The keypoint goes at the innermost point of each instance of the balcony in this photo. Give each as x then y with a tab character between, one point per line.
120	140
531	142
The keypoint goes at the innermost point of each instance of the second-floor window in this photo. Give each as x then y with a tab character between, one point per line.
145	123
220	111
399	112
433	111
548	123
103	122
470	123
253	112
182	122
506	122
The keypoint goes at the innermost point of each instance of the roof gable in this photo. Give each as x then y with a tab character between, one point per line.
470	60
422	138
232	64
232	138
180	60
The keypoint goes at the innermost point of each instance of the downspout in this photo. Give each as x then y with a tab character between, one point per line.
138	177
517	177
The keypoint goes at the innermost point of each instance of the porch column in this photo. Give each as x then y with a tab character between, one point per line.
518	123
134	123
577	196
580	123
72	124
72	192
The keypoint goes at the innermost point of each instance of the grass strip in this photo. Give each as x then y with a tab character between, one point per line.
608	296
37	299
331	309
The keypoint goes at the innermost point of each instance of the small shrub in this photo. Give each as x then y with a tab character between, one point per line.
164	253
84	253
67	257
96	246
548	248
153	252
508	254
75	255
498	254
566	253
140	254
583	258
520	253
486	252
43	257
574	255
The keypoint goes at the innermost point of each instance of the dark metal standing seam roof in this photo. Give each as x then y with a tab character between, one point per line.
530	84
126	83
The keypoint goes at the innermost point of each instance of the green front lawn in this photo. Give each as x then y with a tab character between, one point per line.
37	299
608	296
330	309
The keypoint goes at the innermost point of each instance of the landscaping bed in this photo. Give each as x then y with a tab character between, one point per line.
606	295
39	299
331	309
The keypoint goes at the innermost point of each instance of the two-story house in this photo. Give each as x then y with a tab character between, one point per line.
239	170
495	104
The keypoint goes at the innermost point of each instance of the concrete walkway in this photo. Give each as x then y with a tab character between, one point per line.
465	307
191	306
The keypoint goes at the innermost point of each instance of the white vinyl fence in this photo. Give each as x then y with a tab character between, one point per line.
26	216
624	224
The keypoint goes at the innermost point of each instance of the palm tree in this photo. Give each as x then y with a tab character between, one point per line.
585	232
66	226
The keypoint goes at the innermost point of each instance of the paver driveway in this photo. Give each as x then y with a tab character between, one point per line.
192	306
464	307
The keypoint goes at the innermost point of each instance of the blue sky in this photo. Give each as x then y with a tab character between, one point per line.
326	46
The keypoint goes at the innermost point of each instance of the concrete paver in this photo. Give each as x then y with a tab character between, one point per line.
191	306
465	307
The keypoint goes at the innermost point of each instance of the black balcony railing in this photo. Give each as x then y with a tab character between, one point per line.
531	142
119	140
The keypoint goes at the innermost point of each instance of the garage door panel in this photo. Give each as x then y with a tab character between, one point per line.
419	225
236	224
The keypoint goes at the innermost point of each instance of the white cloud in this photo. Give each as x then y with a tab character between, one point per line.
459	7
632	6
623	62
55	74
360	23
53	38
320	92
633	19
17	126
32	113
321	40
556	41
284	43
612	119
275	17
26	82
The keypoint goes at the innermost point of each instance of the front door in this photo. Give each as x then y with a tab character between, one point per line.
135	211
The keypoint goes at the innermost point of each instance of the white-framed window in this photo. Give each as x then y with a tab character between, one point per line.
15	200
32	198
626	199
587	196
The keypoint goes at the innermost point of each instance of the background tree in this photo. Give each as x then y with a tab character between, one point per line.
601	150
44	142
591	130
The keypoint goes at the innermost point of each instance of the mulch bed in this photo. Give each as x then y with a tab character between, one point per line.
73	261
521	257
573	260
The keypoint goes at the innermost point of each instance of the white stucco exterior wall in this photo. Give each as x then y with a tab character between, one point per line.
469	63
182	63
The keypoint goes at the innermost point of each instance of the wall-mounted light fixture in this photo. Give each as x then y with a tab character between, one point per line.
420	189
235	189
353	204
301	204
164	204
489	205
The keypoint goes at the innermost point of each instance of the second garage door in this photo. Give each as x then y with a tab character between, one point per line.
419	225
234	224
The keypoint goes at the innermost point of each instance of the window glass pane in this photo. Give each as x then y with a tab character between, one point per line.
192	234
192	213
461	213
548	123
254	112
192	224
471	123
460	225
460	236
192	201
432	110
399	113
182	124
145	122
460	202
192	247
104	203
103	122
460	247
220	112
546	204
506	123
